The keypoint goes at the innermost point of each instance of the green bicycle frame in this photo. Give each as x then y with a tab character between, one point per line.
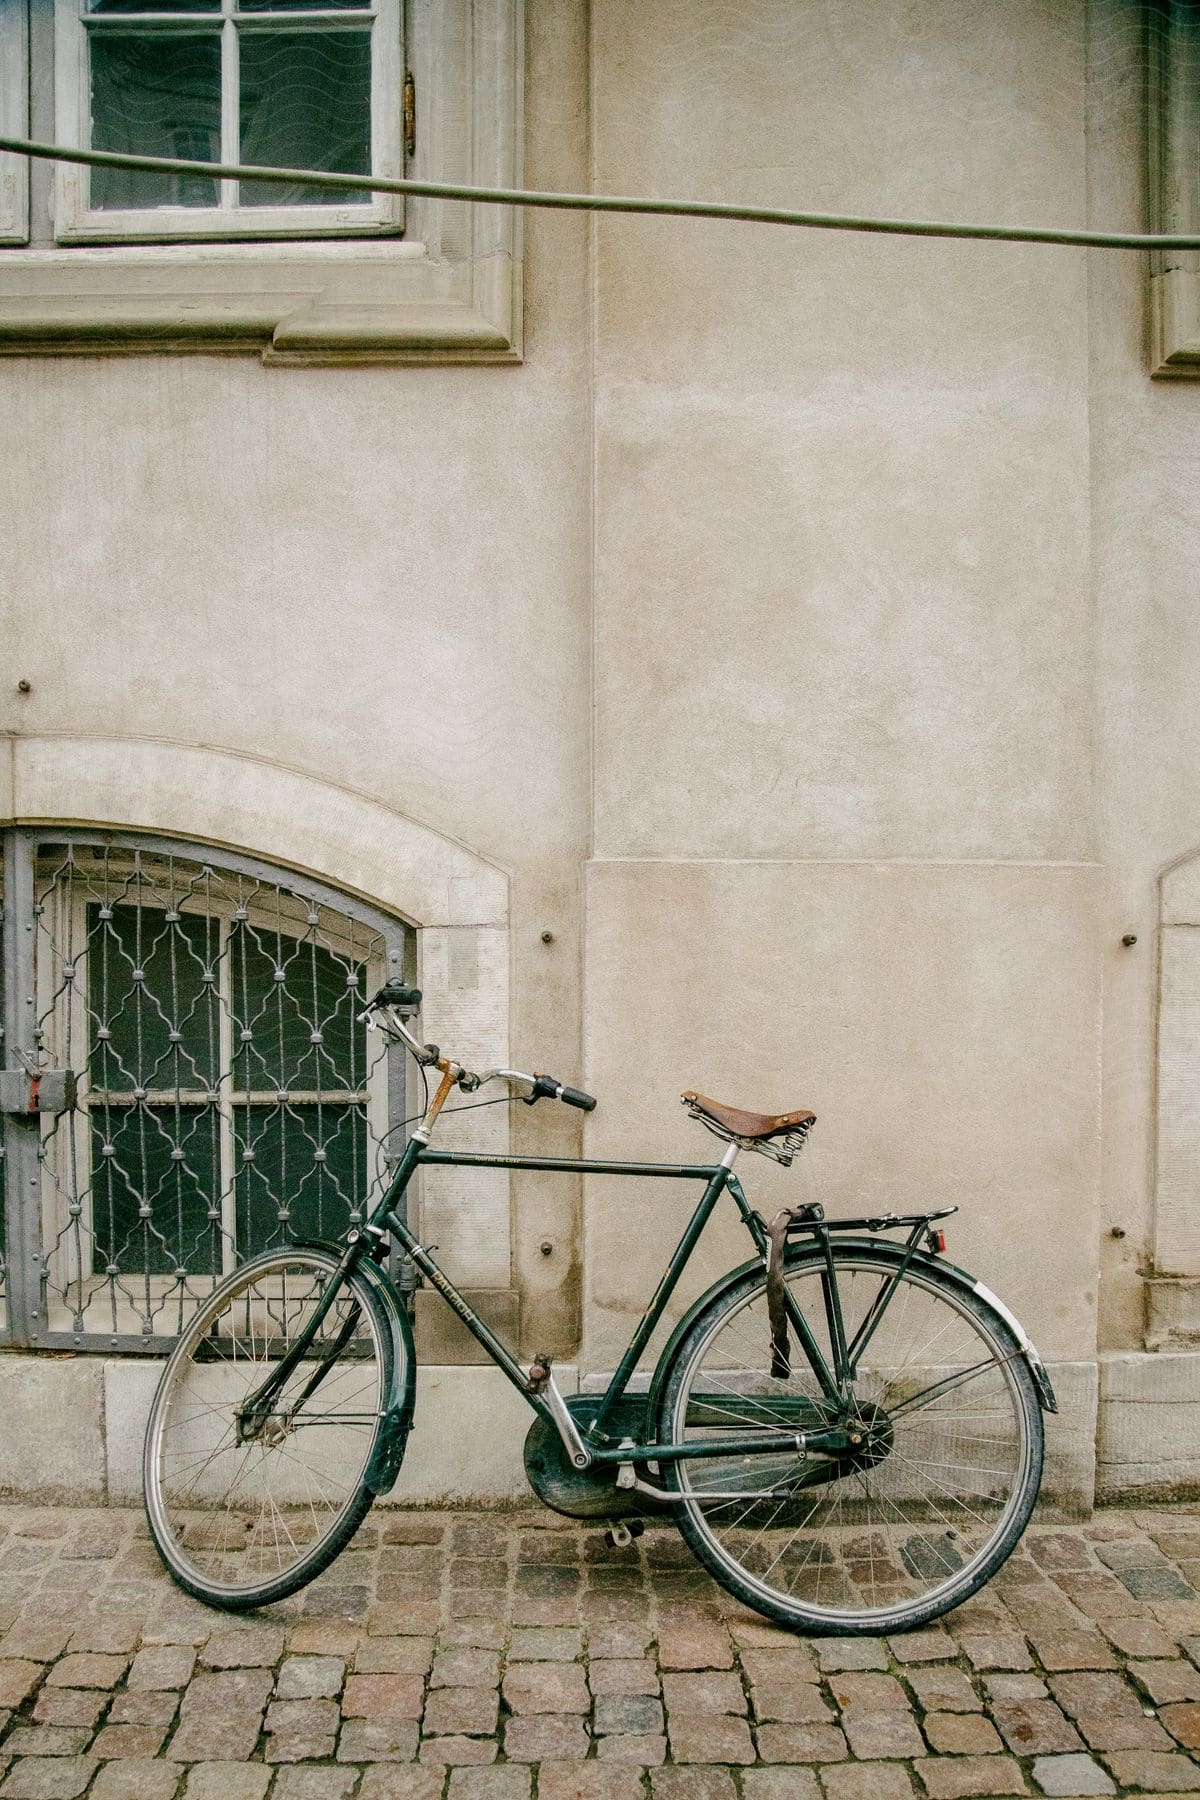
387	1224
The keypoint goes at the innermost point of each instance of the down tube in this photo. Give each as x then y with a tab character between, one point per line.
501	1356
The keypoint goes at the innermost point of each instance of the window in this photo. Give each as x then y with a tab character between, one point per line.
230	1099
109	259
252	81
1174	156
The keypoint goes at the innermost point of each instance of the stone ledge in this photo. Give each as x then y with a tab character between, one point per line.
1148	1442
100	1408
1173	1312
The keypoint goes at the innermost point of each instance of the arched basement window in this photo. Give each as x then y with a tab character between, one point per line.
229	1096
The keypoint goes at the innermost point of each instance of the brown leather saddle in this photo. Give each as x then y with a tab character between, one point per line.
748	1127
779	1136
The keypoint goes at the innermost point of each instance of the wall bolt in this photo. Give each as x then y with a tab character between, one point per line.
546	1247
547	937
24	687
1118	1231
1129	940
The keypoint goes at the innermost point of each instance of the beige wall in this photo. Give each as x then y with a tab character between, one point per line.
805	628
376	576
844	826
1145	519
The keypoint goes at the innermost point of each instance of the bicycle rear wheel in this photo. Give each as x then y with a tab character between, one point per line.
892	1533
246	1510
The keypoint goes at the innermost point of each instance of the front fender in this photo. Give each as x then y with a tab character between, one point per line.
401	1400
895	1253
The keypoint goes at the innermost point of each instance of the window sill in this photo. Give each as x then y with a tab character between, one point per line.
297	303
1175	324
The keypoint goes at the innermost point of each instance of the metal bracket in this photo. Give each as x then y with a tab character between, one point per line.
26	1091
629	1480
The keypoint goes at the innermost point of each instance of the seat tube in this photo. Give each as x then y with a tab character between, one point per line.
665	1288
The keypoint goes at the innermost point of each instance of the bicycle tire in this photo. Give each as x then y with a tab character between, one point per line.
259	1519
888	1560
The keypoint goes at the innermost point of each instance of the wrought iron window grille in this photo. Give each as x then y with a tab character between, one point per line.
228	1097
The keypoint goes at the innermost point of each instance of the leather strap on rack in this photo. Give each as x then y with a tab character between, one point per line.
781	1360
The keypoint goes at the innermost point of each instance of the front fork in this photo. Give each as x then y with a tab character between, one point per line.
258	1418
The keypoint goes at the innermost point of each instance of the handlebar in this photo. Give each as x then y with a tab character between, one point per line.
549	1087
399	1001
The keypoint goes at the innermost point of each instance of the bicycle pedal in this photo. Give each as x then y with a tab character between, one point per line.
619	1536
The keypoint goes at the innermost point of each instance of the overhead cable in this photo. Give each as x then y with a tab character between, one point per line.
610	203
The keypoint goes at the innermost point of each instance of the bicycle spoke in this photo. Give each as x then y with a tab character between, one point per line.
232	1519
935	1411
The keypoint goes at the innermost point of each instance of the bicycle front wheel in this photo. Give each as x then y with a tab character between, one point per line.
940	1458
245	1506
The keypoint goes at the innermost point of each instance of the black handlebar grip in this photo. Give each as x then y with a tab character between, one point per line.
396	993
548	1087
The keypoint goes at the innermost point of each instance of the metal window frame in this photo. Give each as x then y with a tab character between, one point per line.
26	1321
76	221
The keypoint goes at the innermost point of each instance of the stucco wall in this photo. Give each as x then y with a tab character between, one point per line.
377	577
845	841
804	632
1145	519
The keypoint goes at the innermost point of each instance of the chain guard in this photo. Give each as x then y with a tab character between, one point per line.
585	1493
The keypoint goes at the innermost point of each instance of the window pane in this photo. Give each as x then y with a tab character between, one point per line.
155	94
152	993
295	1014
155	1178
305	104
144	6
304	1174
283	6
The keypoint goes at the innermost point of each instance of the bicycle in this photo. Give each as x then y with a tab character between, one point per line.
846	1429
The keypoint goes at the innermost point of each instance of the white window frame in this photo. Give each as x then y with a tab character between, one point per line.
14	111
77	221
449	291
1173	116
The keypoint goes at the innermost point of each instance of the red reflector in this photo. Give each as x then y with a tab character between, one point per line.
937	1242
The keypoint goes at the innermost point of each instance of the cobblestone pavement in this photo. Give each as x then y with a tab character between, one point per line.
486	1656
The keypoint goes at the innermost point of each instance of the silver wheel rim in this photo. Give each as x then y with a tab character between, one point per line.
237	1518
877	1510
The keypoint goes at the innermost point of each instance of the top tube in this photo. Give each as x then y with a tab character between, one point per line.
472	1159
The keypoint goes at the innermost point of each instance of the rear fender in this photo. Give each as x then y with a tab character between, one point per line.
401	1400
893	1252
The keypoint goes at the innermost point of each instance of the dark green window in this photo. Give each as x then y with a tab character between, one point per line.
227	1086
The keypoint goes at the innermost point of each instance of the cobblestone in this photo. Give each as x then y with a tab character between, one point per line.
494	1657
1035	1727
137	1781
721	1739
860	1781
310	1678
943	1690
883	1734
227	1781
539	1737
961	1734
163	1666
627	1675
709	1692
